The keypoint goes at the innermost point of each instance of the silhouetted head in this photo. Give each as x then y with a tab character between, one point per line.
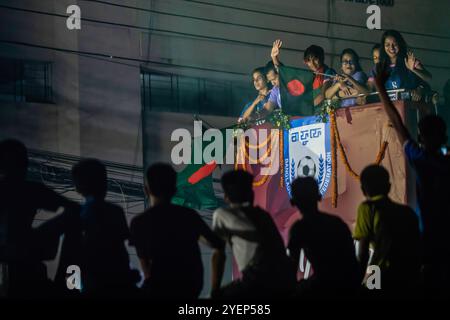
238	186
89	177
305	194
13	160
375	181
314	57
432	132
161	181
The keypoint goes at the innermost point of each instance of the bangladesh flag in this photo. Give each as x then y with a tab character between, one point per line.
195	187
296	90
195	183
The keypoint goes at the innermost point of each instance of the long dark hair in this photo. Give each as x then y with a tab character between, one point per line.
384	58
263	71
355	57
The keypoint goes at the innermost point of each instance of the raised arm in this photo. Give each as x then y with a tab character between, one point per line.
393	114
417	68
274	54
47	235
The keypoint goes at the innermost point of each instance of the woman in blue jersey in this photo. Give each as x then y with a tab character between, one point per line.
263	87
351	82
405	70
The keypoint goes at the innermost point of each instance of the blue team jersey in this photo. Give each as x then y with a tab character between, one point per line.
399	78
258	107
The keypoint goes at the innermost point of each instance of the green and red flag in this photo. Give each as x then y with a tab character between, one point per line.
195	182
296	90
195	187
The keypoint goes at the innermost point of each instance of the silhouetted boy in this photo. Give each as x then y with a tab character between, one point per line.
166	238
432	169
392	229
22	248
95	241
326	241
256	243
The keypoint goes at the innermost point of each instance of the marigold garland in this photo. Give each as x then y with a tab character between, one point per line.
259	160
238	157
245	156
280	121
258	146
344	158
264	156
336	143
261	181
340	146
382	152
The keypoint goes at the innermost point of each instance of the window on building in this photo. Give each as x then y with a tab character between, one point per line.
25	81
174	93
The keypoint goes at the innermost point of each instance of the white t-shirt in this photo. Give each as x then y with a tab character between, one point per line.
233	225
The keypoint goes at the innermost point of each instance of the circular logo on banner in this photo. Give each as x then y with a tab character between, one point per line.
306	167
295	87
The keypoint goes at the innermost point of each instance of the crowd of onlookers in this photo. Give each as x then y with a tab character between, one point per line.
410	248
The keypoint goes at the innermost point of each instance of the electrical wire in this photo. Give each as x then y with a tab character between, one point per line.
239	42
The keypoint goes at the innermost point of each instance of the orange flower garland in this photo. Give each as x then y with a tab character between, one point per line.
382	152
344	158
245	156
336	143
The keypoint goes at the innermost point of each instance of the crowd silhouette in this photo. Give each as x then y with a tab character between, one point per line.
95	232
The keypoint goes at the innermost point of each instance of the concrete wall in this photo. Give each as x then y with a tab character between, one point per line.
97	100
